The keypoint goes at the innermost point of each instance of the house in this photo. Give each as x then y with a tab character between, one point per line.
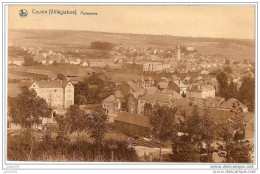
16	60
178	86
152	99
100	63
132	124
41	58
204	72
114	104
233	105
152	67
56	93
200	91
147	82
182	69
84	63
74	61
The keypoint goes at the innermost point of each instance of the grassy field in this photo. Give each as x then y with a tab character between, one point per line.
81	40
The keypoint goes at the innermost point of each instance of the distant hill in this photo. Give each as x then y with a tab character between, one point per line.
69	40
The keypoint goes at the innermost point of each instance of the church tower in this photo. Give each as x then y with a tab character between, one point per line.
178	52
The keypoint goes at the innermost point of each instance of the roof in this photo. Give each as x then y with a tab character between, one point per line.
210	101
180	84
232	104
163	85
181	102
171	92
134	119
162	98
109	99
52	84
202	87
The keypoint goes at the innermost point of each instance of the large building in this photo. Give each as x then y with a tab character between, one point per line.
56	93
152	67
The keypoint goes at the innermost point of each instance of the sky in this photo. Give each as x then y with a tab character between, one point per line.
191	21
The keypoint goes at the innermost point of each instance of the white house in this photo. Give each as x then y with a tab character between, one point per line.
56	93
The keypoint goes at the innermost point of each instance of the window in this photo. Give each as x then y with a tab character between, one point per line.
55	90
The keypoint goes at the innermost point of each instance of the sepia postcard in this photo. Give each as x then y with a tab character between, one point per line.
139	85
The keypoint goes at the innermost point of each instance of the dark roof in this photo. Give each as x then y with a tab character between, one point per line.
134	119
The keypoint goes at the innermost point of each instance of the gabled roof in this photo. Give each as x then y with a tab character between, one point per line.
109	99
52	84
134	119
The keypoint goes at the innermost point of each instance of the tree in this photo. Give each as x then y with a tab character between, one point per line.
228	70
183	150
230	132
28	110
194	126
240	152
225	134
246	92
19	146
187	144
97	126
161	124
232	91
61	77
76	119
208	128
80	100
227	62
222	78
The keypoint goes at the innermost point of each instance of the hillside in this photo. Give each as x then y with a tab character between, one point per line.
70	40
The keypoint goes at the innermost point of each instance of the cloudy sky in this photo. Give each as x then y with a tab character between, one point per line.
195	21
